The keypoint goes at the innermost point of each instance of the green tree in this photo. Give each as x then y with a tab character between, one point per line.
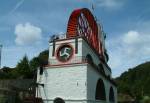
43	57
23	68
135	82
34	63
41	60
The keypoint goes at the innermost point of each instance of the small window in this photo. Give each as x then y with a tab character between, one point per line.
101	68
41	70
89	58
59	100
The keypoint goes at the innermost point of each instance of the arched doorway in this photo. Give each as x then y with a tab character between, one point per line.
59	100
100	90
111	95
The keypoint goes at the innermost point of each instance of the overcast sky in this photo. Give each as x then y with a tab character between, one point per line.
26	25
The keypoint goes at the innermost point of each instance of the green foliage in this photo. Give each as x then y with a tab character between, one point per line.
34	63
41	60
25	68
43	57
6	72
146	99
135	82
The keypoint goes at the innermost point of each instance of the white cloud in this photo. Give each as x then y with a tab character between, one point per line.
128	51
110	4
136	43
27	34
132	37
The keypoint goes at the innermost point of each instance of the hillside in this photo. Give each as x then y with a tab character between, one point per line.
135	82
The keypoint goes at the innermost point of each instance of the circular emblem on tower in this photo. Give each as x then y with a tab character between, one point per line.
64	53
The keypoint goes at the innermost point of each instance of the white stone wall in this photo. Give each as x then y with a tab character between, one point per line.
67	82
87	50
76	101
83	50
75	83
92	78
71	42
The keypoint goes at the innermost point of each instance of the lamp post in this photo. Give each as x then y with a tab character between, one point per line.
0	53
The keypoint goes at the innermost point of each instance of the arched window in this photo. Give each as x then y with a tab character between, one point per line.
59	100
111	95
89	58
100	90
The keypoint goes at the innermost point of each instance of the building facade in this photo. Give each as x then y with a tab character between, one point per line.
77	71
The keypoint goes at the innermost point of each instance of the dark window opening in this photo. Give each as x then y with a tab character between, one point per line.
111	95
106	55
100	90
41	70
89	58
59	100
101	68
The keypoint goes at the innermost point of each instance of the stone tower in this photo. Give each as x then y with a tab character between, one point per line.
77	71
